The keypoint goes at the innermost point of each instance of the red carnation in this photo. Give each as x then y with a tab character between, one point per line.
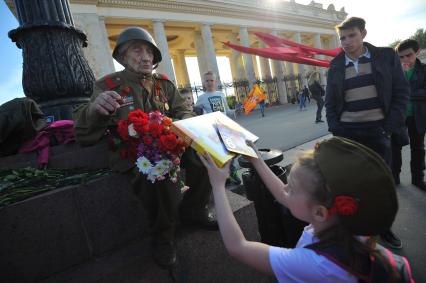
155	129
137	115
123	129
140	125
147	140
167	121
344	205
169	141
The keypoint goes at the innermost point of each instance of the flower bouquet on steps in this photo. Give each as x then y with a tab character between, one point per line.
147	140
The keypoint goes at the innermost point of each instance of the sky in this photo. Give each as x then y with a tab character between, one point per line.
397	20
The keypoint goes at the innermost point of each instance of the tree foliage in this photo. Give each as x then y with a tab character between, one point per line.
419	36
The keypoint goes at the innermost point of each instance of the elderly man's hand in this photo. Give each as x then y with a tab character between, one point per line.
106	103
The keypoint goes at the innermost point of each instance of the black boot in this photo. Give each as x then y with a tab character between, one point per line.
203	218
419	183
417	176
164	253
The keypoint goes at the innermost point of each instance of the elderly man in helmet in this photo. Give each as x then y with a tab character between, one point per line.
136	87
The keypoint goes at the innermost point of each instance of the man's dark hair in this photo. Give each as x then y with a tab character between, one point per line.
352	22
407	44
185	90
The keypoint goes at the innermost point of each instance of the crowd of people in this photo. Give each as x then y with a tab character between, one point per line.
370	100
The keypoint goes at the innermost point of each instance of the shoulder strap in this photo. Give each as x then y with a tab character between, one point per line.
399	263
342	259
110	82
159	76
369	269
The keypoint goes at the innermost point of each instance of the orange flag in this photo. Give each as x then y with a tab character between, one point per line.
256	95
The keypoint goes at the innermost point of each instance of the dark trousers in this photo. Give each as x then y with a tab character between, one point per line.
374	138
417	148
262	108
162	199
320	105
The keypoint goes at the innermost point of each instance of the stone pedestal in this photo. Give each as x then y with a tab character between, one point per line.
97	232
54	231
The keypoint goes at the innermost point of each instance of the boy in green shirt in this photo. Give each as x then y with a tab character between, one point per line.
415	73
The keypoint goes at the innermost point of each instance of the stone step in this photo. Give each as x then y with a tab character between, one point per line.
97	232
53	231
201	258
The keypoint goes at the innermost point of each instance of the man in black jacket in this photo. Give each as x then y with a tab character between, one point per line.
317	93
415	73
366	95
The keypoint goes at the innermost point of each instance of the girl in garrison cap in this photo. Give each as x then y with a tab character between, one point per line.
343	205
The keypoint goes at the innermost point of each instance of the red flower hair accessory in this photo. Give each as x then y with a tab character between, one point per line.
344	205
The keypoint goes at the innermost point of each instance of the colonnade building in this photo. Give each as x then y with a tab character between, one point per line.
185	28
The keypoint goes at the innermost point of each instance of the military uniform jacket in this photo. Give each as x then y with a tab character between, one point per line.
148	93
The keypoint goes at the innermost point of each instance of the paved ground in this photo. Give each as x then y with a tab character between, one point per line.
290	130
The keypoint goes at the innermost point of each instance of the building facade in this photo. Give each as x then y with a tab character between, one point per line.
197	28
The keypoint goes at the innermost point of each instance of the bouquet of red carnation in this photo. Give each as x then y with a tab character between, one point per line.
149	141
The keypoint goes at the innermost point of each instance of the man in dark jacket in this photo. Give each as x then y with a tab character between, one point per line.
317	93
366	94
415	73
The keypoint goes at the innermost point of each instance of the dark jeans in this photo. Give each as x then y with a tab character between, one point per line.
417	147
320	105
262	108
374	138
161	199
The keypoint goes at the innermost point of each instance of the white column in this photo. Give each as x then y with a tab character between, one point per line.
320	69
201	54
206	34
265	69
290	70
182	69
301	67
255	67
236	61
165	66
248	61
278	72
98	52
335	41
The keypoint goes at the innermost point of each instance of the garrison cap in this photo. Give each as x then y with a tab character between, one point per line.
351	169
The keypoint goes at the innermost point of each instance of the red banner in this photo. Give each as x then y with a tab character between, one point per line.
286	50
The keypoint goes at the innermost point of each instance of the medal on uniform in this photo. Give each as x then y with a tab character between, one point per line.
126	97
127	101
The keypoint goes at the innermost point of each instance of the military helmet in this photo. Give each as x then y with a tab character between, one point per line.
136	33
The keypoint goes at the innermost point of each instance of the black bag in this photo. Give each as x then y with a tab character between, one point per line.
369	270
277	226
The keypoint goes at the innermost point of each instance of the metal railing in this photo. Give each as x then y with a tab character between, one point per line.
240	89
